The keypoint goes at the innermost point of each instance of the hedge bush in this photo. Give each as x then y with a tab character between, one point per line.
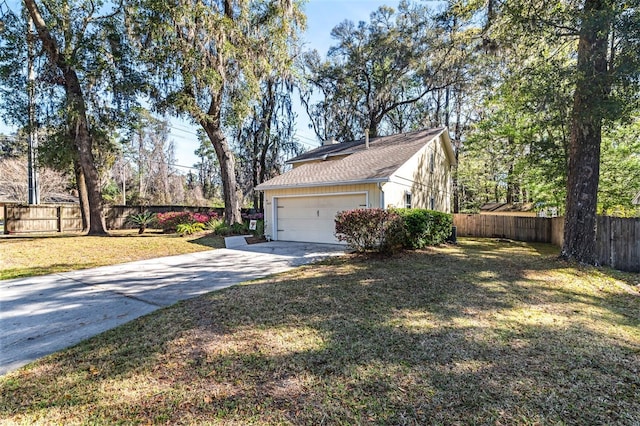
424	227
387	230
370	229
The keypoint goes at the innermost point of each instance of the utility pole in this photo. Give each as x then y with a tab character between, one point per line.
124	189
6	12
34	194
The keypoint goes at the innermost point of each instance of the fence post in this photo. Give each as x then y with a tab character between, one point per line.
612	241
5	215
59	217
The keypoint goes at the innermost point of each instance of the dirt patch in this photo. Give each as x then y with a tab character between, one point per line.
255	240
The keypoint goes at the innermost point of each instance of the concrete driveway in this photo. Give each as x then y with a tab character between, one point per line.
41	315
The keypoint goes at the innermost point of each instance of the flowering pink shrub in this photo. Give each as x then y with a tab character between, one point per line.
252	216
169	221
370	229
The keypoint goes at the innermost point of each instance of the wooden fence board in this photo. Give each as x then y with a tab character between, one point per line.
557	231
603	240
635	247
620	246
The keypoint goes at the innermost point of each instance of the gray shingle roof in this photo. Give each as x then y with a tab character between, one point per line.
376	164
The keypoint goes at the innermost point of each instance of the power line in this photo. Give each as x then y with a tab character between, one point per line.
183	167
183	130
306	137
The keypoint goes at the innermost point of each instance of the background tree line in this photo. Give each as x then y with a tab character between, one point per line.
541	98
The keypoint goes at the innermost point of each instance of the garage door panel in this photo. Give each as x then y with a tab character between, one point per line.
296	213
297	224
312	219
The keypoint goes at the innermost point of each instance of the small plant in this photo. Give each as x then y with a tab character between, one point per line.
169	221
223	229
213	224
252	216
189	228
239	228
218	226
141	220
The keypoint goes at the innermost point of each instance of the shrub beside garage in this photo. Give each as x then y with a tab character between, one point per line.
387	231
424	228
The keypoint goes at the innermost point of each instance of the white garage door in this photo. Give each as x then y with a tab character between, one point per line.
312	219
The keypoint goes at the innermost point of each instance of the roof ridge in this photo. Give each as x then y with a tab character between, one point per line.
347	147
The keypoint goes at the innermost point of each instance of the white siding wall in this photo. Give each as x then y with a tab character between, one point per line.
423	181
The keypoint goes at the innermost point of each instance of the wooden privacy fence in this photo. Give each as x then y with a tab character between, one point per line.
617	239
41	218
519	228
22	219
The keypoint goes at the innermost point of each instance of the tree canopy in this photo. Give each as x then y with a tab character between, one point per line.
206	60
379	73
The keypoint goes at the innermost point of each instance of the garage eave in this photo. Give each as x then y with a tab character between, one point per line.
263	187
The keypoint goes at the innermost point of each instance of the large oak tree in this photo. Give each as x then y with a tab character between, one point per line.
85	85
206	60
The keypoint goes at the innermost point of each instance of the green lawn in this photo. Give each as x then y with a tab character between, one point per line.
480	333
24	256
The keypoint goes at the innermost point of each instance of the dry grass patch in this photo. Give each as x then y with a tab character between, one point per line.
41	255
482	333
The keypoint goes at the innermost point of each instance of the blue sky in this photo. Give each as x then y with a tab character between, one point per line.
322	16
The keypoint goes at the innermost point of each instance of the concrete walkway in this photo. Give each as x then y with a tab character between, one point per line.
41	315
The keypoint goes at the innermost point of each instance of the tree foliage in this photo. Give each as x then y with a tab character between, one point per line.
266	138
206	60
378	74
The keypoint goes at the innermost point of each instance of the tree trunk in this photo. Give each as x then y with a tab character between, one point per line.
254	171
267	113
82	195
510	185
79	123
456	143
586	132
227	162
374	122
84	143
141	187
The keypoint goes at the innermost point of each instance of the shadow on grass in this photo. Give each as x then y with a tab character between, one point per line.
24	272
480	333
209	240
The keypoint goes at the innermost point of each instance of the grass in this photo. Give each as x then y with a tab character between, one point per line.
480	333
29	256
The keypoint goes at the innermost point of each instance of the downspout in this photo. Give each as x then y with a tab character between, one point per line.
381	196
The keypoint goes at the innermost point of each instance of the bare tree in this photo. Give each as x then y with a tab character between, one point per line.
14	182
